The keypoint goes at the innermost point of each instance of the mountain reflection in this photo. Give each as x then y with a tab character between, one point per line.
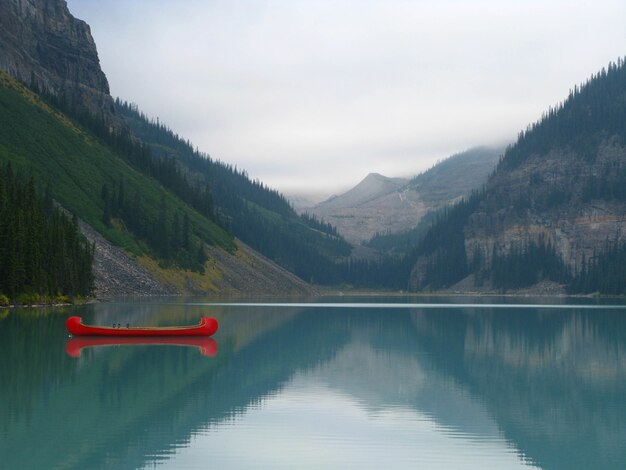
551	382
554	381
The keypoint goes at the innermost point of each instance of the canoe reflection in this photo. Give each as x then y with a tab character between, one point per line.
207	346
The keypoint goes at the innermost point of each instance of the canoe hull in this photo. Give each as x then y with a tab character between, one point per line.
206	327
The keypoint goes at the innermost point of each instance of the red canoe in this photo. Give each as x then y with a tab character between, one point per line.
207	346
207	327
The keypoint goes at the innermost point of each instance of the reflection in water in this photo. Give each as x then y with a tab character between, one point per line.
554	382
206	346
461	387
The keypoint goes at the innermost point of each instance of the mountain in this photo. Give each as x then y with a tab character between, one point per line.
437	188
301	202
154	226
456	176
554	210
64	157
375	204
380	208
372	187
259	216
41	42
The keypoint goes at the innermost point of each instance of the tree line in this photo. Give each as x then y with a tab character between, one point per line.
259	216
590	113
228	182
170	238
603	272
166	170
42	253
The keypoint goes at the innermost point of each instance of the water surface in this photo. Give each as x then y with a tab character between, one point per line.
361	383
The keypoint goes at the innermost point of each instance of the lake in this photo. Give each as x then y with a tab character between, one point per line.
343	382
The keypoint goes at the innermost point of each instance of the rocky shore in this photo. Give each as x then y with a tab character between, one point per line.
117	274
245	272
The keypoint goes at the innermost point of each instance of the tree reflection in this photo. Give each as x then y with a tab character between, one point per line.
551	381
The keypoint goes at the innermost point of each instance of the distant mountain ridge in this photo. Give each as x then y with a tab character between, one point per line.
456	176
373	186
381	205
376	203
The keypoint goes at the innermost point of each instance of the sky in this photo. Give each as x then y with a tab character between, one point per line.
310	96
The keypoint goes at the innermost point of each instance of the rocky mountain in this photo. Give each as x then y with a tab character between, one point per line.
372	187
257	215
60	125
456	176
382	205
43	44
76	168
554	211
377	203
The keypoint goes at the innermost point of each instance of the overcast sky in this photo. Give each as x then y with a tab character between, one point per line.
314	95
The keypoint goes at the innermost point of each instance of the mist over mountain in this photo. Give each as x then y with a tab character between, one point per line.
163	216
552	212
456	176
157	223
381	206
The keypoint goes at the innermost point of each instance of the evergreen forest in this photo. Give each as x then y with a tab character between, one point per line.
592	115
259	216
139	202
42	253
151	192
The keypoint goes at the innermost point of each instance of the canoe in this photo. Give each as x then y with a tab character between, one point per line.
206	327
206	346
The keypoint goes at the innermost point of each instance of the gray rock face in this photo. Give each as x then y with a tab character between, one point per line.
456	176
550	187
40	40
116	274
376	204
543	199
372	187
379	204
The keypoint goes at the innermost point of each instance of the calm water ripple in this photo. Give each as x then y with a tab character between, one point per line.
325	385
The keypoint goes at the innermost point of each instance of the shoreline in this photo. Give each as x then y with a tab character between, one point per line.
326	292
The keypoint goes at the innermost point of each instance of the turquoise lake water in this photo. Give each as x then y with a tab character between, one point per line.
341	383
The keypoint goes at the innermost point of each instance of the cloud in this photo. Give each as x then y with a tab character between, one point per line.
320	93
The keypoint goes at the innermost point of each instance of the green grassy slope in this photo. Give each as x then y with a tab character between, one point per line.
41	141
259	216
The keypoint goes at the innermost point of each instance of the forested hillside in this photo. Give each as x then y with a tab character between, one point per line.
104	185
437	188
553	210
258	215
43	256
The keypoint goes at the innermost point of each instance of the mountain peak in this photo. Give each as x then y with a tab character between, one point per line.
41	42
373	186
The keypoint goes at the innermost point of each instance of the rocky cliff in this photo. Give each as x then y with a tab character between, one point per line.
547	197
118	274
41	42
554	209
